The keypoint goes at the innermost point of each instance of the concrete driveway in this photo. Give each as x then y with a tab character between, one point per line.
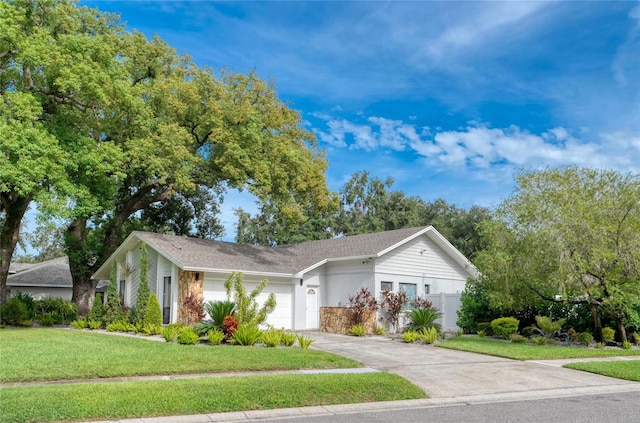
444	373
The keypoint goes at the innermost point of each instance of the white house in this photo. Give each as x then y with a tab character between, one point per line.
303	276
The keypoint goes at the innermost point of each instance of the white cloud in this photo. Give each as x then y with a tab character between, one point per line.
480	148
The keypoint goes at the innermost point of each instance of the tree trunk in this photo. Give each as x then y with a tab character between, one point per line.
597	323
15	209
81	266
622	332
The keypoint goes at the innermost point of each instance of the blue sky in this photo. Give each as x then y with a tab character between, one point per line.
448	98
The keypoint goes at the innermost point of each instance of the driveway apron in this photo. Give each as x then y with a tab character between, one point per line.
444	373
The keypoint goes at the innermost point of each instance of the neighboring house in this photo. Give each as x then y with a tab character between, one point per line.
303	276
51	278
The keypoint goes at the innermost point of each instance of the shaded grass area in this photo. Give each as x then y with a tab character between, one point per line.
57	354
629	370
516	351
85	401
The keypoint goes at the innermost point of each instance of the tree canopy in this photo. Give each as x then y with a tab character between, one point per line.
567	235
126	133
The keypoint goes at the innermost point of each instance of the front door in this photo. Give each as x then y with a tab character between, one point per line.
312	308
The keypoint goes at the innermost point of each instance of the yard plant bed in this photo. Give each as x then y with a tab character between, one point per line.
501	348
58	354
629	370
86	401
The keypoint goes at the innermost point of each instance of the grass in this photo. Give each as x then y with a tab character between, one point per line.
86	401
629	370
514	351
57	354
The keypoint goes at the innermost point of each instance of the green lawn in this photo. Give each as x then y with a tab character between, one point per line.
55	354
629	370
515	351
86	401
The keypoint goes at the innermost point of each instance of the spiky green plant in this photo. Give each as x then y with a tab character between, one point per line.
143	288
248	310
113	308
422	318
246	335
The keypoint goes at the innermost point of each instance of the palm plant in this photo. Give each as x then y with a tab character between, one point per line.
217	311
423	318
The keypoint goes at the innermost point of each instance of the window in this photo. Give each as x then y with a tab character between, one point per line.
410	289
427	288
121	291
386	286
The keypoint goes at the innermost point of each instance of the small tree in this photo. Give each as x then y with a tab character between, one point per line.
363	304
143	288
247	309
113	308
393	303
97	310
153	312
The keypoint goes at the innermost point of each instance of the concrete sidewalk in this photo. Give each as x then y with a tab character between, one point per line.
449	377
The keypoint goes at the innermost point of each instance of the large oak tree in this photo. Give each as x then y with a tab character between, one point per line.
141	127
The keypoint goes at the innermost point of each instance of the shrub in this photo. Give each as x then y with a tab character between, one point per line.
170	333
475	307
608	334
246	335
358	330
410	336
143	289
585	338
394	303
113	309
486	327
429	335
505	326
195	309
218	310
362	305
48	319
304	342
547	327
215	337
288	339
229	326
517	339
272	338
60	310
13	312
539	340
422	302
600	345
379	330
150	330
482	333
94	324
28	301
25	323
121	326
153	313
248	310
423	318
187	337
80	324
626	345
97	309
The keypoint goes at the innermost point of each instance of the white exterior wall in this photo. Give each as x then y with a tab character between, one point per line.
152	277
283	288
345	278
420	262
39	293
133	281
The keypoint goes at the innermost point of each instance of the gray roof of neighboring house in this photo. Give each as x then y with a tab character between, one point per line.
53	273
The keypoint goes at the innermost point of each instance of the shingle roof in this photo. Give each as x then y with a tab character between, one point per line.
47	273
193	253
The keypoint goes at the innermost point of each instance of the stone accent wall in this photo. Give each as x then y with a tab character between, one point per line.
338	320
188	286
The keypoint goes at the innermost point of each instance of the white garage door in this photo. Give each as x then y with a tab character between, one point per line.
281	316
